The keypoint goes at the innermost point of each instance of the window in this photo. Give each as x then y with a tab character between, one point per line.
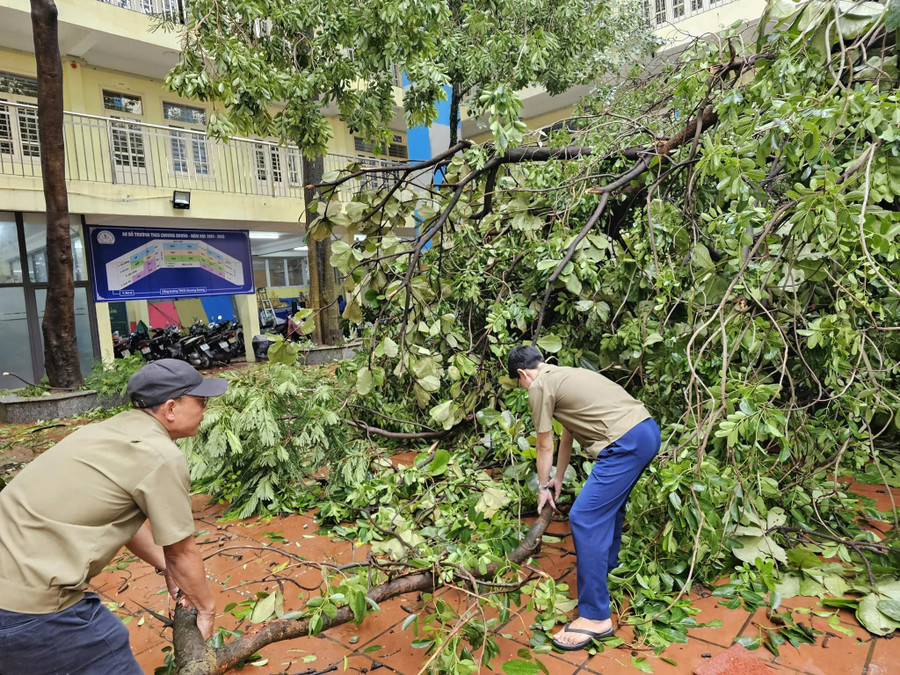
262	172
128	145
36	247
177	112
276	164
10	264
19	124
18	85
28	132
661	11
123	103
19	131
184	160
6	135
293	162
678	9
201	158
397	150
696	5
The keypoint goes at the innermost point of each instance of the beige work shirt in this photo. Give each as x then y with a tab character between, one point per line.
593	408
70	511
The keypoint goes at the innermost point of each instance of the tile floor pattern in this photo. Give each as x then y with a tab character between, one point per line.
242	553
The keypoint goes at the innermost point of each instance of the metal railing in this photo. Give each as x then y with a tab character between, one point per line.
169	10
375	181
123	151
661	12
127	152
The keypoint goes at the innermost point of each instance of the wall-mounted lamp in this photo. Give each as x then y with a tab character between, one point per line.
181	199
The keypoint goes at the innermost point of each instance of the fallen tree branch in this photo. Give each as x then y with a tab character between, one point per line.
194	657
412	435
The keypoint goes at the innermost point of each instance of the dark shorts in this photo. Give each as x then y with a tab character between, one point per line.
86	639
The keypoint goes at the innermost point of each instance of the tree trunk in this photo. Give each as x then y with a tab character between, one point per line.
60	346
322	295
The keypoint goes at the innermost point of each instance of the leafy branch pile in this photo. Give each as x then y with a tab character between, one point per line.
720	236
261	443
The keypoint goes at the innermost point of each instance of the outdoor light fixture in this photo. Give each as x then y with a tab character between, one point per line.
264	235
181	199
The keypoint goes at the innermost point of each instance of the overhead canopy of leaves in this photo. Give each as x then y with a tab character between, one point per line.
312	59
721	237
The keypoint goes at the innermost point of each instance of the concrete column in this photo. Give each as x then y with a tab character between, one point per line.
138	310
248	313
104	327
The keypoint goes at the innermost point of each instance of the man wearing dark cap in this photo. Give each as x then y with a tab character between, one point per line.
70	511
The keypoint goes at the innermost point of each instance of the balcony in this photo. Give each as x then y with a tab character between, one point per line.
123	152
168	10
662	12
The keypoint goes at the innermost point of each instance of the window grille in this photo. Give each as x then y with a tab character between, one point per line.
128	145
177	112
122	102
18	85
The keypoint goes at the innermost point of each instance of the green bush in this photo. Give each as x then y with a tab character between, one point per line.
261	441
110	380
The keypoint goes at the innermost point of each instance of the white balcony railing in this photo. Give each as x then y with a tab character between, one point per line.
661	12
126	152
168	10
373	181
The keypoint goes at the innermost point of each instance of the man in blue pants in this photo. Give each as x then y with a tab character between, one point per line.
615	430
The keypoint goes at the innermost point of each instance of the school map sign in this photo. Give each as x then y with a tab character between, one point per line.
149	264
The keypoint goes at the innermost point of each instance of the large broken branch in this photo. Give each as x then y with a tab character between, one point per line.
194	657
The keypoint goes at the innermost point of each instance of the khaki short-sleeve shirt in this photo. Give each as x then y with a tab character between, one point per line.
594	409
70	511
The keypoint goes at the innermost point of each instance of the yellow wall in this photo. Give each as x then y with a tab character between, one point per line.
711	21
533	123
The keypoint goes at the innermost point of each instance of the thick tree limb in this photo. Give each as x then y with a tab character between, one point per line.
194	657
395	434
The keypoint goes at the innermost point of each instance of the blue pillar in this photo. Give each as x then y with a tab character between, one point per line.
423	142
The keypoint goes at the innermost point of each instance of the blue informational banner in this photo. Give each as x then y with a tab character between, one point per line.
130	263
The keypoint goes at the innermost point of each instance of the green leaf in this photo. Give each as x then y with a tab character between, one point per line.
364	381
492	500
439	464
890	608
430	383
264	609
872	618
441	412
641	663
550	343
519	667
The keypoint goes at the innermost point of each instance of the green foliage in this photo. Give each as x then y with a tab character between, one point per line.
744	286
110	380
276	65
260	442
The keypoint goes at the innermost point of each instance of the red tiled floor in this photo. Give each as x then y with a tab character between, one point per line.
885	657
833	653
711	609
241	552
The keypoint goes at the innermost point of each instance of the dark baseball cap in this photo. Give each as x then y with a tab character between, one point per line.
161	380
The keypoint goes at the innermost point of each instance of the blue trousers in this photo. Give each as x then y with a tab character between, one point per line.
597	515
85	638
